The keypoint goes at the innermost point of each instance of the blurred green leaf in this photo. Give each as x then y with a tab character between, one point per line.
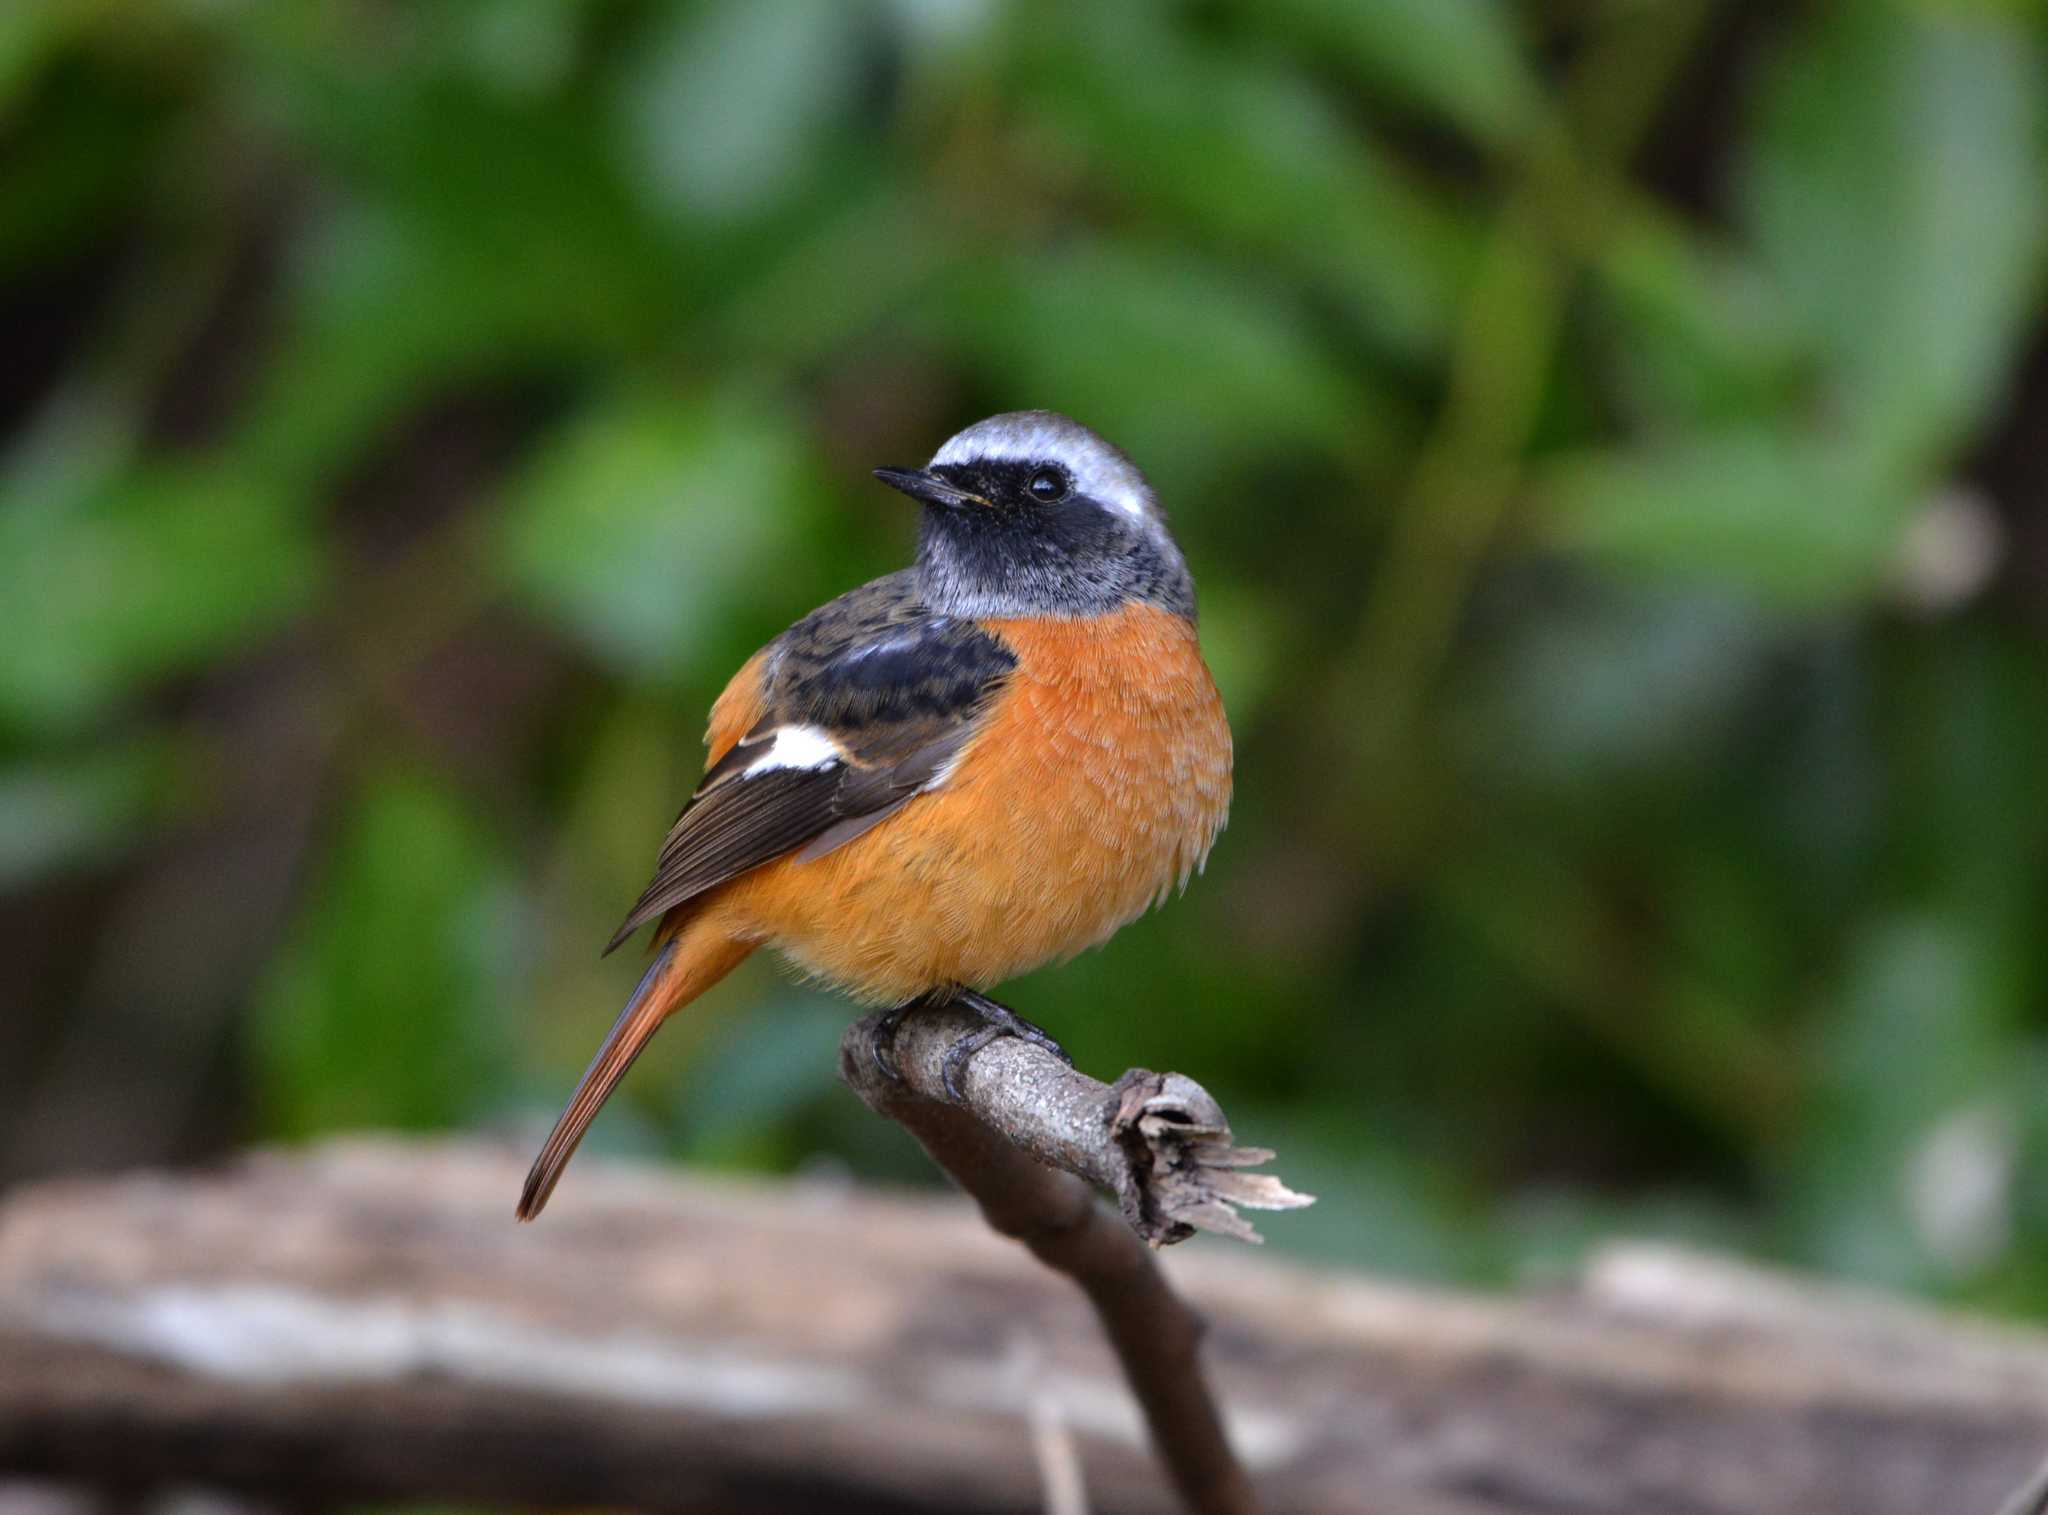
387	1007
30	33
943	28
724	109
1545	918
1377	1206
163	568
1898	188
77	159
1240	640
519	47
1965	739
56	815
819	292
434	269
1611	693
1701	337
1788	518
1554	1232
1915	1038
1255	157
652	517
1459	57
757	1074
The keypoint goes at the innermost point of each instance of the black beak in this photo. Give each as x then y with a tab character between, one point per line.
922	484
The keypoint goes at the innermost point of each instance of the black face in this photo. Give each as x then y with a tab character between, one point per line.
1013	484
1033	516
1004	536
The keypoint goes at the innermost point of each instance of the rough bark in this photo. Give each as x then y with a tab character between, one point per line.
1157	1143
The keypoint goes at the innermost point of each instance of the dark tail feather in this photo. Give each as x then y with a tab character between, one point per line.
630	1033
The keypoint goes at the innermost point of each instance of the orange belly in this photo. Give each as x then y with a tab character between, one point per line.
1095	787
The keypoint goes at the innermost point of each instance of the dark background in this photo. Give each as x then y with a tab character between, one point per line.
1611	440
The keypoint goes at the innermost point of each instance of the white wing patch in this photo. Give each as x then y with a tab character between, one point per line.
797	747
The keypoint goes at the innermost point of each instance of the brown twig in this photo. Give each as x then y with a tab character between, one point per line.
2031	1497
1031	1139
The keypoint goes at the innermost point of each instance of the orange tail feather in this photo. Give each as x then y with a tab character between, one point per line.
689	963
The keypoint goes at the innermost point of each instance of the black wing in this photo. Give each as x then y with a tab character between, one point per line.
865	702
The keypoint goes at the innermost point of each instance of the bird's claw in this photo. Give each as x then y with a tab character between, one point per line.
998	1020
882	1041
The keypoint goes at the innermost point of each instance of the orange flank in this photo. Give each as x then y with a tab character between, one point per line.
735	711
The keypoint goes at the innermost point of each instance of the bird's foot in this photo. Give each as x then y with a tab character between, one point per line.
882	1038
998	1020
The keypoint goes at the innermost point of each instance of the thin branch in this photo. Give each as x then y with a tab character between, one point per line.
1156	1142
2031	1498
1030	1145
1059	1461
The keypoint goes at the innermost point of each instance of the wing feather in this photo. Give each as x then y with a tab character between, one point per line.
739	826
895	690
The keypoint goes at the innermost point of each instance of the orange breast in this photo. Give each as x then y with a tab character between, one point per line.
1095	786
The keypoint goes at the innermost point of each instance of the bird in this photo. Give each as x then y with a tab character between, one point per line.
966	769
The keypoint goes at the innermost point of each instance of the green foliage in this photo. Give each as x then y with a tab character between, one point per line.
1609	440
385	1008
593	534
1462	58
1788	515
108	585
1897	196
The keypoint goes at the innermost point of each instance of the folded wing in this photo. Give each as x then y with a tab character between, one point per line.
861	706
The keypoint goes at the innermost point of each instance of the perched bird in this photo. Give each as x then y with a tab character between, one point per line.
954	774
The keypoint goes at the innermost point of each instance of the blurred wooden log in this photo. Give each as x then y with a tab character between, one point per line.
365	1321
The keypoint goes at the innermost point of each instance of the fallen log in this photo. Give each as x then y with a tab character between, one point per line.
365	1321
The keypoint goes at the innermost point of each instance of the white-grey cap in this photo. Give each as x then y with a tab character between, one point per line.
1099	468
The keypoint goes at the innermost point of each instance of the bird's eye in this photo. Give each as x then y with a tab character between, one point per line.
1049	485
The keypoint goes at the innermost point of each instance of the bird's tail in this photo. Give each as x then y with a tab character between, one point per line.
692	959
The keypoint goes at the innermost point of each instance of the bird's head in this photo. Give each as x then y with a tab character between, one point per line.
1030	513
